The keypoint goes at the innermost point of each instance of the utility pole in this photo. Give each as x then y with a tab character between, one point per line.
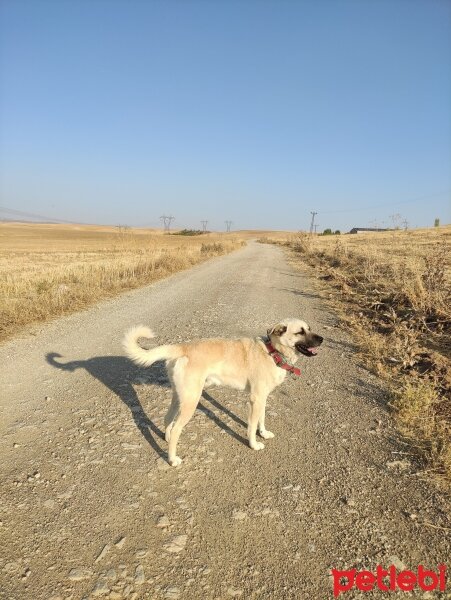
167	222
312	224
204	226
228	225
406	224
316	226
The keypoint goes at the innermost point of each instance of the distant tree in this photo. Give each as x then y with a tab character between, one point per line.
327	231
190	232
337	232
437	223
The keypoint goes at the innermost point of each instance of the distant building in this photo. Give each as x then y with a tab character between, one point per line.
366	229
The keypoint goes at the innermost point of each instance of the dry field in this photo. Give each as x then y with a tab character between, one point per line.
253	234
48	270
394	290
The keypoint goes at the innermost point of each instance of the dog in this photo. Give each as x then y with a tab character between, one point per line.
255	365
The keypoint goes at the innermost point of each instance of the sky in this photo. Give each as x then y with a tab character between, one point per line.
254	111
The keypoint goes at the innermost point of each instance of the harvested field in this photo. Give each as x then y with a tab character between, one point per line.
394	290
49	270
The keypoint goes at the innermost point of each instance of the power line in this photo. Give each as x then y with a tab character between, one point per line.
385	204
19	213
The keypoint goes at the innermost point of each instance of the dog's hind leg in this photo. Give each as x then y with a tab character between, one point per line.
170	415
188	388
186	412
175	370
187	408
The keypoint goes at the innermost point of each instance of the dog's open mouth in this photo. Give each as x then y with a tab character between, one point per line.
306	351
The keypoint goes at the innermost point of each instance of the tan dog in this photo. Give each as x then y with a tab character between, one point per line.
243	364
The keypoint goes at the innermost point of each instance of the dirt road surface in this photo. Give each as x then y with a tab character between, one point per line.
90	508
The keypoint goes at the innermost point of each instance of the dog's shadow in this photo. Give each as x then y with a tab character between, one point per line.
120	375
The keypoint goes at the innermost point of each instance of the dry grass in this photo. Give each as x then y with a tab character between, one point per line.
394	290
50	270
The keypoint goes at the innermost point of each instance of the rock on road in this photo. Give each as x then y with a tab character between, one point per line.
90	508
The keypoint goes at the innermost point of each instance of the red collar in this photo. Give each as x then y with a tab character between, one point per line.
279	360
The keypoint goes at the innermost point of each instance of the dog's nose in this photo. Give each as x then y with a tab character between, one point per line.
320	339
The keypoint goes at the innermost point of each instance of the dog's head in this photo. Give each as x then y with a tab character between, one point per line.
295	335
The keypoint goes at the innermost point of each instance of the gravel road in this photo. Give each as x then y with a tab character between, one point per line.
90	508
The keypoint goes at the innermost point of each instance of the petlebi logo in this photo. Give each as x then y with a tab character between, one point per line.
390	579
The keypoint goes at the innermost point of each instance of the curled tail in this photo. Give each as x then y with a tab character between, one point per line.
144	357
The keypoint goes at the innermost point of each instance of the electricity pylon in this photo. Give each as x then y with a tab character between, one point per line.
312	224
167	222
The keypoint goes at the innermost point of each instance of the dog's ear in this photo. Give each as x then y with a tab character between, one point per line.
277	330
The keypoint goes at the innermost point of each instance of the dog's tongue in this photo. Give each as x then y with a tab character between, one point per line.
312	350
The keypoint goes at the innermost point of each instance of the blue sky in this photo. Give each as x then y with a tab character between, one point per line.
254	111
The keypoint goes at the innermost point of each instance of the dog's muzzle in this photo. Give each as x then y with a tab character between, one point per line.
309	349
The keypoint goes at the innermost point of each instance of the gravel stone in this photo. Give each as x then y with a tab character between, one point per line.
79	574
176	544
139	575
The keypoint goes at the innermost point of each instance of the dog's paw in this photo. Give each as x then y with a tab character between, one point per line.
257	446
266	435
175	462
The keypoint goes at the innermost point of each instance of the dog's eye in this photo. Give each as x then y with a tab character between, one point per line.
302	332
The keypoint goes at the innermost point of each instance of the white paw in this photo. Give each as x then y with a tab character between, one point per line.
257	446
175	462
266	435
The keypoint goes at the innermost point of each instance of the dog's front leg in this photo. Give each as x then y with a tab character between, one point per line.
266	435
256	406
